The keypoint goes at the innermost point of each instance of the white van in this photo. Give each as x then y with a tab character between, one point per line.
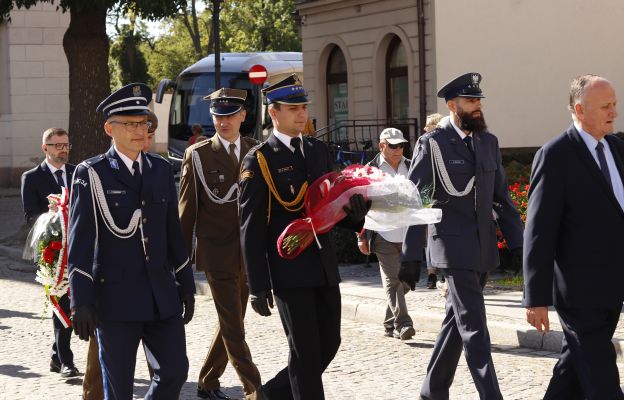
198	80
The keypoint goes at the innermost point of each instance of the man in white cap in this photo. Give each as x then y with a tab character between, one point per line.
387	244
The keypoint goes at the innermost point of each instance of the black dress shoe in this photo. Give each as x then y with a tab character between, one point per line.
55	366
215	394
68	371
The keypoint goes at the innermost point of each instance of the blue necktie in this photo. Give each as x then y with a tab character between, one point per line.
296	143
468	141
603	163
59	177
137	173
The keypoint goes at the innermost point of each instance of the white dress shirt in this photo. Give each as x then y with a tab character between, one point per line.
616	180
53	169
226	145
128	162
284	138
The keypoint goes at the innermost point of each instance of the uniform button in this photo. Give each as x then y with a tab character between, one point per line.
116	204
143	202
146	239
101	280
146	258
145	220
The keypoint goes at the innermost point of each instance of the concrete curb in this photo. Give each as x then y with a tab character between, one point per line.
501	333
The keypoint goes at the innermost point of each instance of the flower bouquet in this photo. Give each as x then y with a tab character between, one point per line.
48	241
395	202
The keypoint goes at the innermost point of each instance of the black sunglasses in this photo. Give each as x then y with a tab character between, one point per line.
395	146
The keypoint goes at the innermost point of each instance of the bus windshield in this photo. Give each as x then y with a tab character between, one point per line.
188	107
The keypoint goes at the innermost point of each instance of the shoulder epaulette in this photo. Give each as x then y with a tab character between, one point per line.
157	156
257	147
250	140
199	144
89	162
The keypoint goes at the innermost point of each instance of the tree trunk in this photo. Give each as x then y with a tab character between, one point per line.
86	47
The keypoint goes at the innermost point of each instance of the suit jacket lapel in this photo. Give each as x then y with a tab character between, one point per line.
311	163
147	175
50	178
451	135
120	170
586	157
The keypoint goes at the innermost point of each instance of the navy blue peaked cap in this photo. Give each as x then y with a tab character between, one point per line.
466	85
287	91
131	99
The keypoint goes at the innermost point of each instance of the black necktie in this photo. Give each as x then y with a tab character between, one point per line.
296	143
137	173
59	177
603	163
233	155
468	141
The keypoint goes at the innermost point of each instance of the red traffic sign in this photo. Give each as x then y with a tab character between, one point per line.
258	74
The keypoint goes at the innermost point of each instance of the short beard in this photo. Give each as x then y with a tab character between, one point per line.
471	123
60	159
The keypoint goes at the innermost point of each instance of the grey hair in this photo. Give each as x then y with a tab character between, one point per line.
577	89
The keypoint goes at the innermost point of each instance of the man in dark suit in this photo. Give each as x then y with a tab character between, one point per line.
129	271
48	178
306	287
467	179
575	223
208	207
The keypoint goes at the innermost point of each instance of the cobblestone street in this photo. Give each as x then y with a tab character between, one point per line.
368	365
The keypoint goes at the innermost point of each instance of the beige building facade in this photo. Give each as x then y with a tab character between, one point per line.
527	52
34	84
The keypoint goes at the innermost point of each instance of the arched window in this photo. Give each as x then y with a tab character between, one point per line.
337	94
397	97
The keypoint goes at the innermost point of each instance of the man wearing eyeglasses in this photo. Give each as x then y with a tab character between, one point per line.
387	245
129	271
48	178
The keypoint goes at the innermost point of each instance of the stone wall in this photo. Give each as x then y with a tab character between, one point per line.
34	84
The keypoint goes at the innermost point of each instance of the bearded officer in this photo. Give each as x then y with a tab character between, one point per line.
208	207
468	181
129	271
305	288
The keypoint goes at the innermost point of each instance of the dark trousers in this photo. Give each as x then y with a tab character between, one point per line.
463	327
311	321
61	351
230	296
587	366
165	349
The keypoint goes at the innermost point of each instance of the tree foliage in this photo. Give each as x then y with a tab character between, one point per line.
86	46
245	26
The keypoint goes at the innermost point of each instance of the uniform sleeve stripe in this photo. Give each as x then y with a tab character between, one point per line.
182	266
80	272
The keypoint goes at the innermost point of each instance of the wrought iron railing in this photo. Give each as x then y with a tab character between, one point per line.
357	140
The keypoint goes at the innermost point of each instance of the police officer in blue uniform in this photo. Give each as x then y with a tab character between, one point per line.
468	182
305	288
129	270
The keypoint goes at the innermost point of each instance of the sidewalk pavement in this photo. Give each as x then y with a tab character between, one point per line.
363	298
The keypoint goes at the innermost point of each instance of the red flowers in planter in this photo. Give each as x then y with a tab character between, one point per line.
519	193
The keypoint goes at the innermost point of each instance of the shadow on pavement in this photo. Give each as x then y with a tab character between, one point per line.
17	314
17	371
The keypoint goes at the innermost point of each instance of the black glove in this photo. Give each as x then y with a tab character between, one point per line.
409	273
188	300
261	302
358	207
84	321
516	260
